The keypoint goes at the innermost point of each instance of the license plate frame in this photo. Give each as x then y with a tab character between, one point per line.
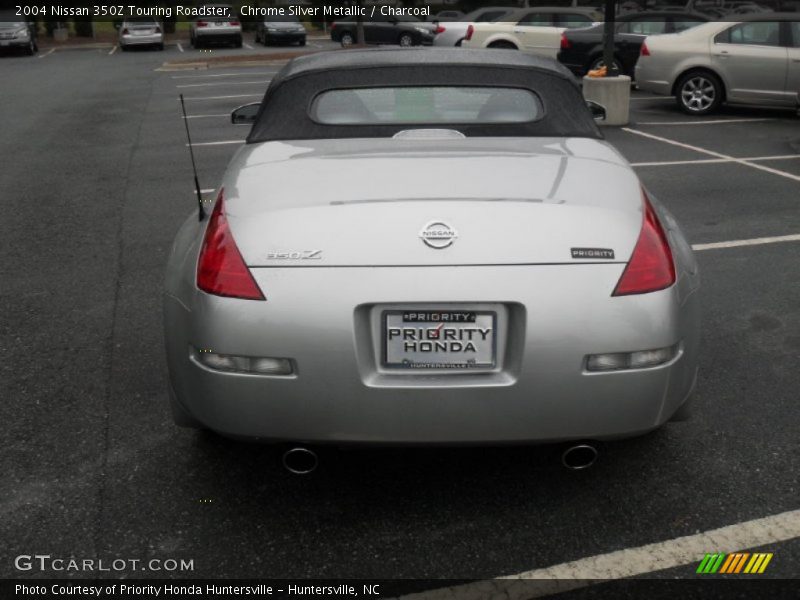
480	321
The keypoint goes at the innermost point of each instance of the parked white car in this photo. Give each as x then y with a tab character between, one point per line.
531	30
755	60
452	33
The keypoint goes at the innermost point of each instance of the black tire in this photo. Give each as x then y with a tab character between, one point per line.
699	93
599	62
160	46
347	39
405	40
301	43
501	45
124	48
237	43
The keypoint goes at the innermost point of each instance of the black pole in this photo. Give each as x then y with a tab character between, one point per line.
608	37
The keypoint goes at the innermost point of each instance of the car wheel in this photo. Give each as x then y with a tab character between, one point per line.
347	39
160	46
406	39
237	43
31	49
599	62
302	43
503	46
699	93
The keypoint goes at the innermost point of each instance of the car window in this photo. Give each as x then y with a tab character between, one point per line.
646	26
425	105
571	21
684	24
489	16
537	20
795	28
760	33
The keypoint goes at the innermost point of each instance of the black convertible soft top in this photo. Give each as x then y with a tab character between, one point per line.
285	109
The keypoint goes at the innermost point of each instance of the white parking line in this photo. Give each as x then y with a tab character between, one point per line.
250	74
705	161
224	97
180	48
741	161
207	116
654	98
751	242
225	83
711	122
114	49
248	46
48	53
628	562
223	143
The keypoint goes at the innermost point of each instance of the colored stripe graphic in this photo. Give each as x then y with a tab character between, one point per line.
738	562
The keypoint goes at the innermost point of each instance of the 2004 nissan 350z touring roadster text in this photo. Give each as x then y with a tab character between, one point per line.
419	247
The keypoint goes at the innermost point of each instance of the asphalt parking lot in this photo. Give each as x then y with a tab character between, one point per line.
96	179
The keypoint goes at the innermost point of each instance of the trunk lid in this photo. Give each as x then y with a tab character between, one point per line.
393	202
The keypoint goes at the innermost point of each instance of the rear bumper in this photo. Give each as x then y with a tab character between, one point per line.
209	35
141	40
649	81
539	392
284	37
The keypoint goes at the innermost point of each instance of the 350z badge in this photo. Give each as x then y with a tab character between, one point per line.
294	255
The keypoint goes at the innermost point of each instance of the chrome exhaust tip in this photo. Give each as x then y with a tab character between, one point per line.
578	457
300	461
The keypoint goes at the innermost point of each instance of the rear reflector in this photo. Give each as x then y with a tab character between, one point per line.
221	269
235	23
470	31
202	24
644	51
643	359
243	364
651	267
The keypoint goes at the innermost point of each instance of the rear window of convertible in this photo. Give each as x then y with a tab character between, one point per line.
434	105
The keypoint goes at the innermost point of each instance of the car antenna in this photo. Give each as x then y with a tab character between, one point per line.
201	213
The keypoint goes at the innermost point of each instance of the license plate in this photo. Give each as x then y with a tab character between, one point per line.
439	339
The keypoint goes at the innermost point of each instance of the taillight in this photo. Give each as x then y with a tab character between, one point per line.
125	31
440	29
565	43
651	267
234	23
644	51
202	23
470	31
333	25
220	269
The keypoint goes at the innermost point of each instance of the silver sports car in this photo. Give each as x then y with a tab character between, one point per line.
420	247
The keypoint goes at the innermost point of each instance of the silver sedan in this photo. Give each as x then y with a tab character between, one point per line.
401	255
755	60
141	31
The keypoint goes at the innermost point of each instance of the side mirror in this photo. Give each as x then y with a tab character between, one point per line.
245	115
598	110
